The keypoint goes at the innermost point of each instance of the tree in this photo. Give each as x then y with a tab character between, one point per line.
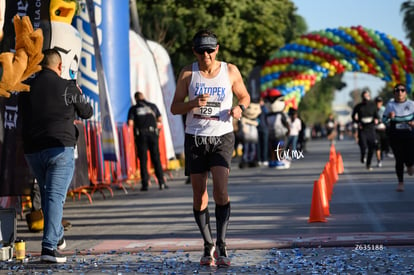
248	31
316	105
407	8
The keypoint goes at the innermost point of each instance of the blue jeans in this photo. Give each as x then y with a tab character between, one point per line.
292	141
263	145
53	169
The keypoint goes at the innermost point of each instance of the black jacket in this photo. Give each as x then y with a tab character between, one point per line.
144	114
365	114
49	111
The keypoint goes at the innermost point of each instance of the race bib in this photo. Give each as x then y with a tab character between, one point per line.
210	111
366	120
402	126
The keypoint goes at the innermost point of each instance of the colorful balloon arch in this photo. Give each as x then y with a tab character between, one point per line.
296	67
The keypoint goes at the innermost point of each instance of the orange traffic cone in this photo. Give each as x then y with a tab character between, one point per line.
316	211
332	152
328	180
324	195
333	170
339	163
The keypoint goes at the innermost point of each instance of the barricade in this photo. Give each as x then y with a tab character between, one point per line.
80	181
102	174
99	176
131	158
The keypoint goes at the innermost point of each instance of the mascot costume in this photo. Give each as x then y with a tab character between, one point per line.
278	131
249	135
17	64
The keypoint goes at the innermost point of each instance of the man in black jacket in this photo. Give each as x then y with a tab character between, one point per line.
49	143
146	120
366	116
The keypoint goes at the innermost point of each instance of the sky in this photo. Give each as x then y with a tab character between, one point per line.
380	15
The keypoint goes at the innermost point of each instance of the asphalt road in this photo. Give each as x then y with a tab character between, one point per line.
369	230
270	208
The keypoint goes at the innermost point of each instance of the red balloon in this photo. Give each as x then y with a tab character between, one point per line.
274	93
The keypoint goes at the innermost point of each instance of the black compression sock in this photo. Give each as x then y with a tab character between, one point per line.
202	219
222	222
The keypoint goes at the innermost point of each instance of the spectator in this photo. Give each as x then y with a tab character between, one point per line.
263	142
53	104
146	120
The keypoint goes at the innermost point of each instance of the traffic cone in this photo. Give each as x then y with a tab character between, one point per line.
316	211
339	163
324	195
333	170
332	152
328	181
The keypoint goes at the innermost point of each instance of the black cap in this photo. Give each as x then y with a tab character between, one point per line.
205	42
378	99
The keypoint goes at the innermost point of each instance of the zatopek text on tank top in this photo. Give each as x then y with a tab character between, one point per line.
212	119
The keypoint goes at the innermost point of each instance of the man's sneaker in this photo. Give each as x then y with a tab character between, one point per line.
281	165
208	258
163	186
52	255
221	256
61	244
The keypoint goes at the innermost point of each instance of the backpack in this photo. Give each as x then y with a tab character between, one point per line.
276	123
249	132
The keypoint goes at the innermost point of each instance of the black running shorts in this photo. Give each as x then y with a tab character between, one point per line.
204	152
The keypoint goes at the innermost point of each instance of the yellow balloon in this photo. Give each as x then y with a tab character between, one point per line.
266	71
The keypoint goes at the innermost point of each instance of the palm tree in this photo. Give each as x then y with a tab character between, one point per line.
407	8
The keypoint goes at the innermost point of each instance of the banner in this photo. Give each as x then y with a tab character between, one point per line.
115	57
175	126
145	78
80	176
92	77
15	176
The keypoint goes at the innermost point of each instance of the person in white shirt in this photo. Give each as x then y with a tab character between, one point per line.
210	85
295	125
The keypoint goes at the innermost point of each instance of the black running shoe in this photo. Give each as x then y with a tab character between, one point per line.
52	256
163	186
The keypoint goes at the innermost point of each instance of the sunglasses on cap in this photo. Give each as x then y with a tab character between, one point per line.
402	90
202	50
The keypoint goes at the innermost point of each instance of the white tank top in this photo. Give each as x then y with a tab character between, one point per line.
212	119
